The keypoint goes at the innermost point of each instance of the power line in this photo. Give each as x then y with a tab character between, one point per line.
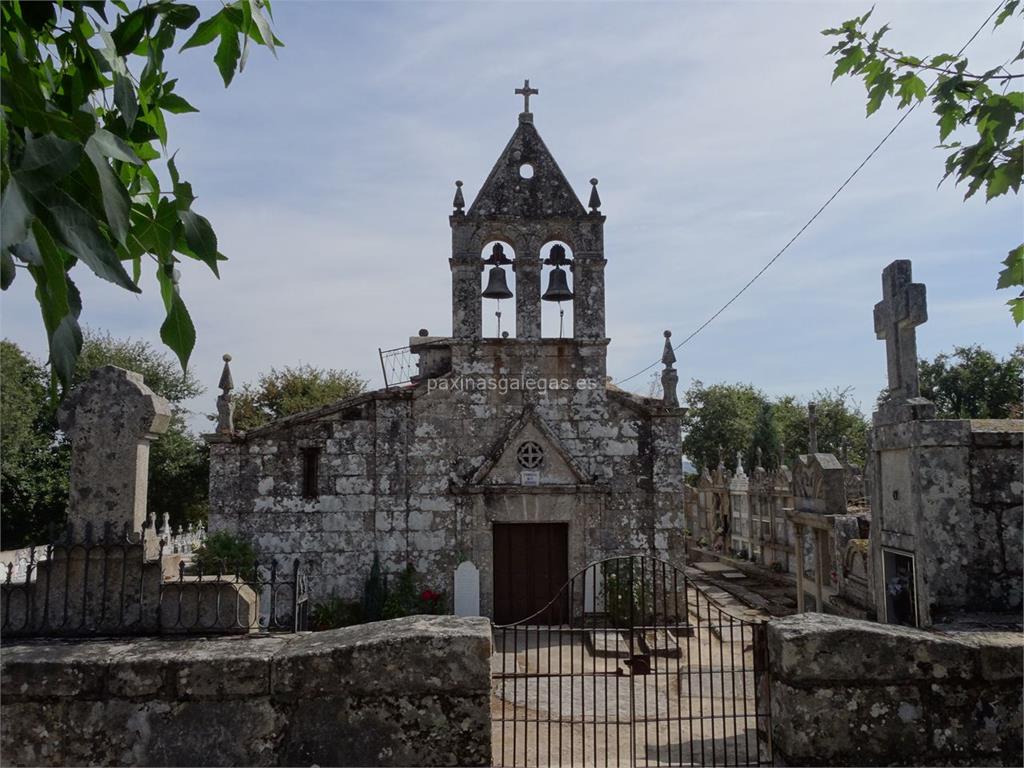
817	213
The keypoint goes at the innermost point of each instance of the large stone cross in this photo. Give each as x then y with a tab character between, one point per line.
903	307
526	92
110	420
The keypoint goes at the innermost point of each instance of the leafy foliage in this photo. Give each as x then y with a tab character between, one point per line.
374	592
33	470
36	456
724	419
962	98
289	390
972	383
335	612
80	137
224	552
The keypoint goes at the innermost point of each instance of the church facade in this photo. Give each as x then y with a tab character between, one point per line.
513	453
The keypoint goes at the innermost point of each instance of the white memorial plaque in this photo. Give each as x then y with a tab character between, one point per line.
529	477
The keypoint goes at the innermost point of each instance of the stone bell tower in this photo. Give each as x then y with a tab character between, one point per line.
528	203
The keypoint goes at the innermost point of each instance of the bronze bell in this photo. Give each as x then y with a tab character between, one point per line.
497	287
558	286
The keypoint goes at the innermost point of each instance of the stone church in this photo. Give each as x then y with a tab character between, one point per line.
513	452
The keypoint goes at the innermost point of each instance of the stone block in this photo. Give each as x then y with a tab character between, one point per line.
206	604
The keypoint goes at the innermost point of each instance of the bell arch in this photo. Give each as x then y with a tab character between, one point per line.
498	289
557	285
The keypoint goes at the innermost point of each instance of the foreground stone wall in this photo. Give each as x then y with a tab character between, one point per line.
848	692
412	691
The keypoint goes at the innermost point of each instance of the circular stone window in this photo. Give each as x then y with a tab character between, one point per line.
530	455
526	171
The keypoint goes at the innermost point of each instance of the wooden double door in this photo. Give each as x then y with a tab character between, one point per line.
531	565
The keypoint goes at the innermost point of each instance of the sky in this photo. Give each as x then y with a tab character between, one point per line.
328	174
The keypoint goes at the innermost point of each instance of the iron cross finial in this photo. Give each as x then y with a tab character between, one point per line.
526	92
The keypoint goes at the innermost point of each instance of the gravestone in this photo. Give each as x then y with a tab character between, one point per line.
110	421
467	589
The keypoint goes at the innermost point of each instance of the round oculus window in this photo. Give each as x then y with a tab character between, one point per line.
530	455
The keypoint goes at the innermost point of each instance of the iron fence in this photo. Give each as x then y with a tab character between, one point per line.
120	585
398	365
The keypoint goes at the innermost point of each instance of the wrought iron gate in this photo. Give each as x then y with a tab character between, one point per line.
647	671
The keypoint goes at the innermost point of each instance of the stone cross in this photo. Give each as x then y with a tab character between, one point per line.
812	428
110	420
526	92
903	307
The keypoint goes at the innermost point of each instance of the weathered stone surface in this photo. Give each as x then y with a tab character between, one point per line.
848	692
413	691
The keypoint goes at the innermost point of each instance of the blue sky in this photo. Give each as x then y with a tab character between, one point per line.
328	174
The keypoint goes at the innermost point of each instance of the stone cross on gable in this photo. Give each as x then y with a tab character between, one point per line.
110	420
526	92
903	307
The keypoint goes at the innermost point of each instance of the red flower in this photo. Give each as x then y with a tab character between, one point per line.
429	596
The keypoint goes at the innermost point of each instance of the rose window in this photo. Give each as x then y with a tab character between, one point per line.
530	455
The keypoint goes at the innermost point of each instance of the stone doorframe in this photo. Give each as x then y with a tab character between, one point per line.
579	506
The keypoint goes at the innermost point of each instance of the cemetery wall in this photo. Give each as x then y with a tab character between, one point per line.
847	692
412	691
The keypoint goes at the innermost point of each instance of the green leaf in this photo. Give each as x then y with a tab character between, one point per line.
201	239
125	99
262	25
181	16
228	51
116	203
113	147
1004	14
854	57
129	33
911	87
998	183
77	231
205	33
60	303
1017	309
1014	272
880	88
7	270
176	105
158	232
15	216
46	159
177	331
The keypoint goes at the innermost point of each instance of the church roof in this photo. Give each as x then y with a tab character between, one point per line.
507	192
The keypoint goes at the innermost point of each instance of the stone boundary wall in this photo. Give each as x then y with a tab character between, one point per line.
412	691
848	692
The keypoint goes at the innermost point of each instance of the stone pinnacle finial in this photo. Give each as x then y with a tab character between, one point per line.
721	460
669	376
226	408
812	428
459	202
782	454
757	454
595	199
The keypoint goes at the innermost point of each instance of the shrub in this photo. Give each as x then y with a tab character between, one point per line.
224	552
335	612
374	592
407	600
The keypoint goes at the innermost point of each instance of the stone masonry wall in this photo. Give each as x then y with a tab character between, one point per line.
412	691
397	467
847	692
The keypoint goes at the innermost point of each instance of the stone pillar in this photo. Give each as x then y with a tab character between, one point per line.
588	300
466	303
110	421
798	530
527	268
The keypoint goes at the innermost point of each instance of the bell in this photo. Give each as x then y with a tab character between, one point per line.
558	286
496	288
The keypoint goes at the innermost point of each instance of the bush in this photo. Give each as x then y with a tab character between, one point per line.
224	552
374	592
335	612
406	600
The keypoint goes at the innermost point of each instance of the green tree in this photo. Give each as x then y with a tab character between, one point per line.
720	417
84	96
283	392
989	151
839	422
972	383
33	470
765	437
